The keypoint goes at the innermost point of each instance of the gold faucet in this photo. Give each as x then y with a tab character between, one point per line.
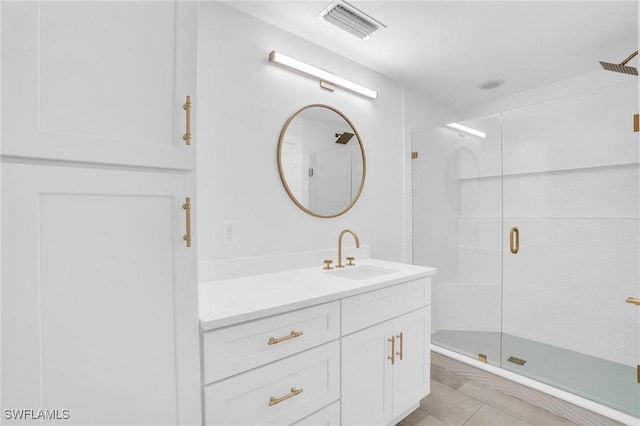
355	236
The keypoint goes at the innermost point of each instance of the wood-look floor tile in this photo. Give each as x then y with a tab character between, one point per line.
496	399
446	377
539	417
448	405
431	421
413	419
489	416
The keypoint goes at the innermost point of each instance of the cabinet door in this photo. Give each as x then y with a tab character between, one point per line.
100	82
99	296
366	376
411	372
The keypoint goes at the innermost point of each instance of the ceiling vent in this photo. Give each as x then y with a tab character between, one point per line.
350	19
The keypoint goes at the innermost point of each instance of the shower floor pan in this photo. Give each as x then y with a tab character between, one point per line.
597	379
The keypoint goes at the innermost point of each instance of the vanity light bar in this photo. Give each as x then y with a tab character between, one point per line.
467	130
322	75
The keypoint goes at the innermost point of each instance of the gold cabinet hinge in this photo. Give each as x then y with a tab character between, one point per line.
636	122
414	155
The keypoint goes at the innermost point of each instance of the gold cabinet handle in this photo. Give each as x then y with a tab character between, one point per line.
273	400
392	357
633	300
187	107
187	207
293	334
514	240
401	337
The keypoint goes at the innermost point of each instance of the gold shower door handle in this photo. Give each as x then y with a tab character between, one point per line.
633	300
392	357
187	207
187	108
514	240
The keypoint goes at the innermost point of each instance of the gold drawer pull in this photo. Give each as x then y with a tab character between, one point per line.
293	334
392	357
401	337
633	300
273	400
187	108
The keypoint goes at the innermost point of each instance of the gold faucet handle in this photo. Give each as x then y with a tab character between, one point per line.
327	264
350	260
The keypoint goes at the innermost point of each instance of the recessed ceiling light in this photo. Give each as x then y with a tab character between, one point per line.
490	84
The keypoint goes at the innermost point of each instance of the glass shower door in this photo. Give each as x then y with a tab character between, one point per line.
571	245
457	205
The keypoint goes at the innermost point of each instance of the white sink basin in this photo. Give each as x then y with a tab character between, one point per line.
361	272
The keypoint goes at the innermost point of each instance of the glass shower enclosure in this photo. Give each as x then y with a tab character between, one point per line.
534	229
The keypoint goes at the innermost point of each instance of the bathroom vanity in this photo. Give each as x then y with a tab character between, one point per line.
314	346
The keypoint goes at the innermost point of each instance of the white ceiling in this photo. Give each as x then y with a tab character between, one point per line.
445	49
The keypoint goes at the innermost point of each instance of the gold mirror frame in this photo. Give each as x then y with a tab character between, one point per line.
281	168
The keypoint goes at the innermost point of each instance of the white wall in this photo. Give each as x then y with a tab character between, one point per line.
243	102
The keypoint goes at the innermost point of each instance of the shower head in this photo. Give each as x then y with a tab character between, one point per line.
621	67
343	138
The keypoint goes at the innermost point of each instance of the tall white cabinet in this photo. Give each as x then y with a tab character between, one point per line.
99	289
103	82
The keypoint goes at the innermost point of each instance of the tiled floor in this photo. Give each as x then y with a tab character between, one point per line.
457	401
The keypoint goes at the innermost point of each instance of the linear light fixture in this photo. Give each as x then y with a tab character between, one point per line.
467	130
324	76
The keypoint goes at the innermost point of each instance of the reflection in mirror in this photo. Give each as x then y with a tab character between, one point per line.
321	160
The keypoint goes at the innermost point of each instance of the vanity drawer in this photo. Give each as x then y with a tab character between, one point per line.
370	308
328	416
245	399
234	349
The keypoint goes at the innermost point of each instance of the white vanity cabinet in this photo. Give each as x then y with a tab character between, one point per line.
297	355
358	351
385	364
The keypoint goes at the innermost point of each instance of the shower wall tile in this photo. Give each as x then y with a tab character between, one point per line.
471	306
602	192
568	284
588	129
481	197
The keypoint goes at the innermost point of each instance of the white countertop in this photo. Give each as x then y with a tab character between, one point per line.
227	302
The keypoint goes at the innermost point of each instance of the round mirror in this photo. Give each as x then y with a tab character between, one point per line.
321	160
